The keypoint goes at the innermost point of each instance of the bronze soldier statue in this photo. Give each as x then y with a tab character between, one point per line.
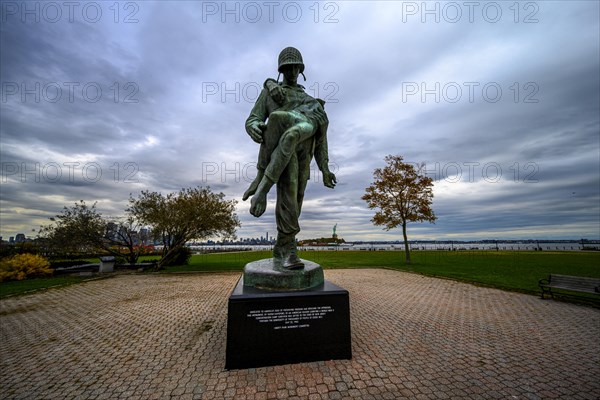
294	132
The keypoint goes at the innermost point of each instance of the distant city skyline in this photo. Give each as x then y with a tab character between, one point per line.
21	237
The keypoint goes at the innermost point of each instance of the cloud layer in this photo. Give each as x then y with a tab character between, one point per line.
500	101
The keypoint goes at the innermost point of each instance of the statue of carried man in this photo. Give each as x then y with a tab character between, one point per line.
291	127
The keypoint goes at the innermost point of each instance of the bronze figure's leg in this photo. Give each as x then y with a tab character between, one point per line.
286	213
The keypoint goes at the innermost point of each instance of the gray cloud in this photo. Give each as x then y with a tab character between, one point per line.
178	84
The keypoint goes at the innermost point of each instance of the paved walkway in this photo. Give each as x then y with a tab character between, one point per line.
156	337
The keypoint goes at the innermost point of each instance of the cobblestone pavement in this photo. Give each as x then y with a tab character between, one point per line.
155	337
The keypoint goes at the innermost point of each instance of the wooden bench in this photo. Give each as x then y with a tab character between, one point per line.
572	283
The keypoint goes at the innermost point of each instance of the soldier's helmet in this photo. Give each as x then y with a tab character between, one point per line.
290	55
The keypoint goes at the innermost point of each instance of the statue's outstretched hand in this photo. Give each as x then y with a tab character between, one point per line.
329	179
256	131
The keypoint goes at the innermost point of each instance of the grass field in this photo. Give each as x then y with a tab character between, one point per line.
510	270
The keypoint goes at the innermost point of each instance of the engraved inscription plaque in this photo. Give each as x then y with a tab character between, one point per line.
273	328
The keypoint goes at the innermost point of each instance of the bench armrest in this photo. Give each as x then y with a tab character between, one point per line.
543	282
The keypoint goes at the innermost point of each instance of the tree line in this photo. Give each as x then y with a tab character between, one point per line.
172	220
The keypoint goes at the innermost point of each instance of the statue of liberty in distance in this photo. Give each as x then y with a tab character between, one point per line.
295	130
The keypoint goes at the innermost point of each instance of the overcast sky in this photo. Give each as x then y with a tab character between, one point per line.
501	100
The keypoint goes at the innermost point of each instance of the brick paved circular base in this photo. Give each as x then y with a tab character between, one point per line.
163	336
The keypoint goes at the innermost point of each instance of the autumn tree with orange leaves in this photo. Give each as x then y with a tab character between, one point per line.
403	194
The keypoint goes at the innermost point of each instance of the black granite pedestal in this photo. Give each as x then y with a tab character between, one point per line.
274	328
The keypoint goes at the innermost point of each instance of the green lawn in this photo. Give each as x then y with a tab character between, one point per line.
511	270
221	261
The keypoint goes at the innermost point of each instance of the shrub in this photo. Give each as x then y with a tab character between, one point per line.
22	266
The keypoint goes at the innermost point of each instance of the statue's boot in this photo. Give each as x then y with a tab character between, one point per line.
292	261
258	204
253	186
284	253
